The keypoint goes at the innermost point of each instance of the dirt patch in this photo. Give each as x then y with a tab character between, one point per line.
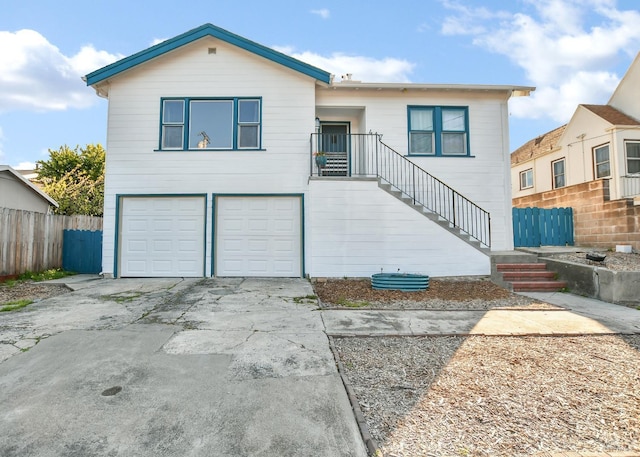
468	294
30	290
497	396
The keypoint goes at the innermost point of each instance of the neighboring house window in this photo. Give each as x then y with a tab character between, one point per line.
601	159
558	173
526	179
201	123
438	130
633	157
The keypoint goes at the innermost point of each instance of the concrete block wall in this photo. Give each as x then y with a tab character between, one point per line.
597	222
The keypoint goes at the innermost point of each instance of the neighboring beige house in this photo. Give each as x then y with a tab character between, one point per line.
591	164
17	192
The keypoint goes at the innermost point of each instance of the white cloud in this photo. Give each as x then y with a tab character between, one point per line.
363	68
565	47
36	76
25	166
157	41
467	20
323	13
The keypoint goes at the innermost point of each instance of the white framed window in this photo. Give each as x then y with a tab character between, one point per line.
601	161
438	130
526	179
211	123
558	170
632	152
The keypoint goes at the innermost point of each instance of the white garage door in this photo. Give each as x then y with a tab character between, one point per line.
162	237
258	236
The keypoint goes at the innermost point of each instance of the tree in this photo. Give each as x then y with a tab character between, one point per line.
75	179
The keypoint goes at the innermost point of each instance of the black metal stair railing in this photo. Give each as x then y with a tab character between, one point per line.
368	156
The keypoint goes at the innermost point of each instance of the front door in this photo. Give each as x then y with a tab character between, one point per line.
334	141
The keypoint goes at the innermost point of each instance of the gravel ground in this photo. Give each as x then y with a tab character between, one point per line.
497	396
617	261
29	290
487	396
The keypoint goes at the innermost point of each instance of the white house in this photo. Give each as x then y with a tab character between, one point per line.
212	167
17	192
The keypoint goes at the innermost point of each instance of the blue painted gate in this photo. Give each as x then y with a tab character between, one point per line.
533	227
82	251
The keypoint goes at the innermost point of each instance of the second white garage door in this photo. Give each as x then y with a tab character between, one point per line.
258	236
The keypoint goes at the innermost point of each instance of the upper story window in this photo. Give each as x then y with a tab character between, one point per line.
526	179
210	123
558	173
633	156
439	130
601	161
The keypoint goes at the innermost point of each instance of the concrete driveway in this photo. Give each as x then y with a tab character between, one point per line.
171	367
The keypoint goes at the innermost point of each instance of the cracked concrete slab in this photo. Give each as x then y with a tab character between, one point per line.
258	354
157	367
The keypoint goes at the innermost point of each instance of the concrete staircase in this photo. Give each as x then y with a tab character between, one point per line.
530	277
522	272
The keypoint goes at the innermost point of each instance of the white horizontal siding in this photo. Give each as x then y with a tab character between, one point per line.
135	166
484	178
356	229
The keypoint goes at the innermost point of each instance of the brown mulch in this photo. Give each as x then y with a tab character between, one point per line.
333	290
442	294
497	396
29	290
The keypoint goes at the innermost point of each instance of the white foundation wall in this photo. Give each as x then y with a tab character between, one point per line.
135	166
356	229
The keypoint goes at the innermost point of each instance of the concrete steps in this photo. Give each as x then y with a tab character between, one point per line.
529	277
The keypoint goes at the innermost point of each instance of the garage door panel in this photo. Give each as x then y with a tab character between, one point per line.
162	236
258	236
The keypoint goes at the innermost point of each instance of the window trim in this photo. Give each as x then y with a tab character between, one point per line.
595	160
235	124
528	171
564	173
438	130
626	157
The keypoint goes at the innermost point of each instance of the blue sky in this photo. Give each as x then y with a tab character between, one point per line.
573	51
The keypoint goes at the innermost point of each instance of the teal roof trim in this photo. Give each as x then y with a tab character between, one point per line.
195	34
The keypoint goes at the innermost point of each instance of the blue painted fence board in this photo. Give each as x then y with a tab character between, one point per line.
82	251
533	227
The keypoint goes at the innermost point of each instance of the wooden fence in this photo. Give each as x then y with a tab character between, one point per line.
533	227
32	241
